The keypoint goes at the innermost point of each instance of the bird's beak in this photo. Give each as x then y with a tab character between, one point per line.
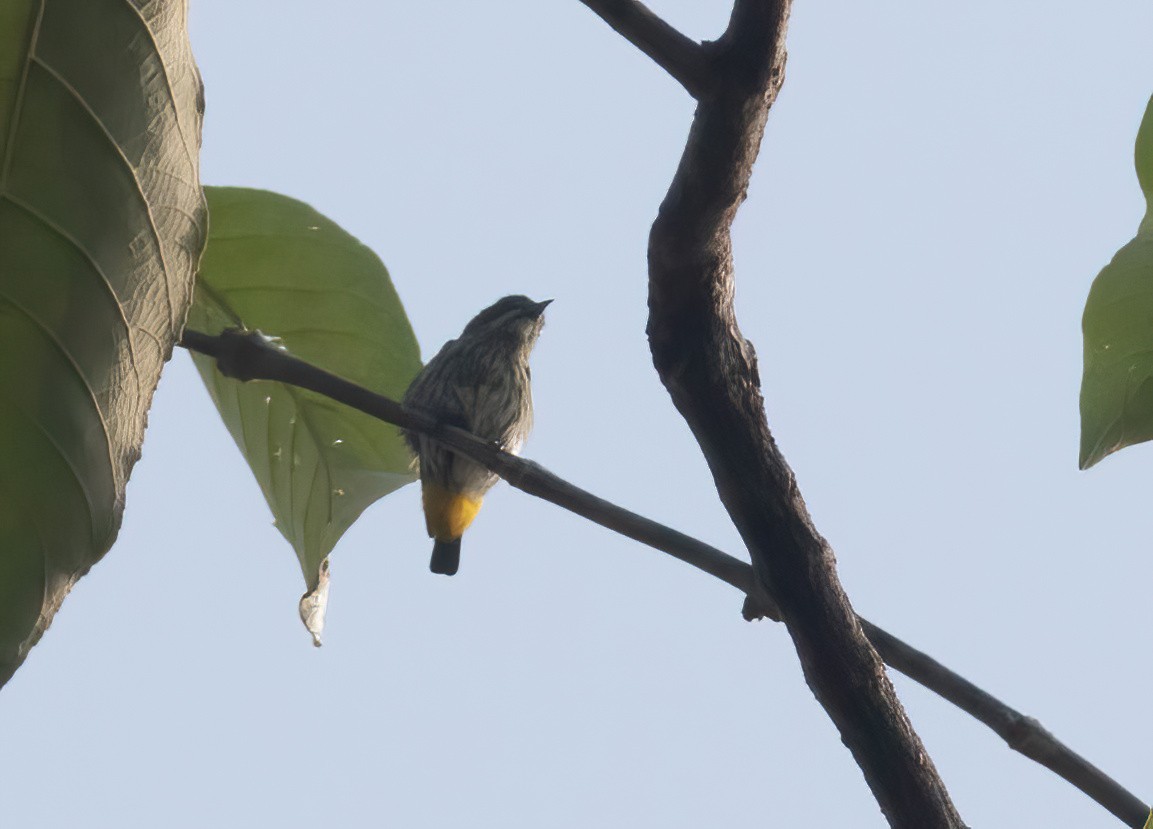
540	306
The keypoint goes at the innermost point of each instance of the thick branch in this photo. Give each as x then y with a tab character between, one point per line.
248	356
710	372
680	56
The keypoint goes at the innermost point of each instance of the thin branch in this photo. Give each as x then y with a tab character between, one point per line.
248	356
680	56
1024	734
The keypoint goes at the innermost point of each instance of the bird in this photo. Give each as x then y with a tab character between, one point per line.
479	382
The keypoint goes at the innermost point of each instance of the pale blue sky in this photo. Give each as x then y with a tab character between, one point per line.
938	186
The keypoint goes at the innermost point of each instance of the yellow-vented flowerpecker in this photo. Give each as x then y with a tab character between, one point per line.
479	382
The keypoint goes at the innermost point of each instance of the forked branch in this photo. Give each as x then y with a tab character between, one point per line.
710	372
680	56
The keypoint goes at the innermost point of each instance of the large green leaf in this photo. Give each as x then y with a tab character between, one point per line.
275	264
1117	386
101	226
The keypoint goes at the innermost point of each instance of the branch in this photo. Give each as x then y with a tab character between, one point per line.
680	56
1024	734
249	356
710	372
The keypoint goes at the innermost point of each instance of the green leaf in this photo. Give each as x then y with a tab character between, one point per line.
101	226
1143	157
1117	385
275	264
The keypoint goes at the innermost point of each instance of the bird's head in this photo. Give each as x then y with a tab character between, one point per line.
516	316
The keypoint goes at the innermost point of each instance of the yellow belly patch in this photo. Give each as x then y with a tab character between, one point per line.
447	514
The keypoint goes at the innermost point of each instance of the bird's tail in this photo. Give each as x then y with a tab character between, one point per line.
445	557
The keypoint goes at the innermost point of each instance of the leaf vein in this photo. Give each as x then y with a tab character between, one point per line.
131	170
17	107
64	352
105	282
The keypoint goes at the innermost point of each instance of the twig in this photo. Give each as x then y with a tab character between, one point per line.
1024	734
680	56
248	356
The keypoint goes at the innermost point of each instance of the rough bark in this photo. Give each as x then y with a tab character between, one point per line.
710	371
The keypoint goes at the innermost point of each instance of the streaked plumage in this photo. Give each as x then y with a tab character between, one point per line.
479	382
